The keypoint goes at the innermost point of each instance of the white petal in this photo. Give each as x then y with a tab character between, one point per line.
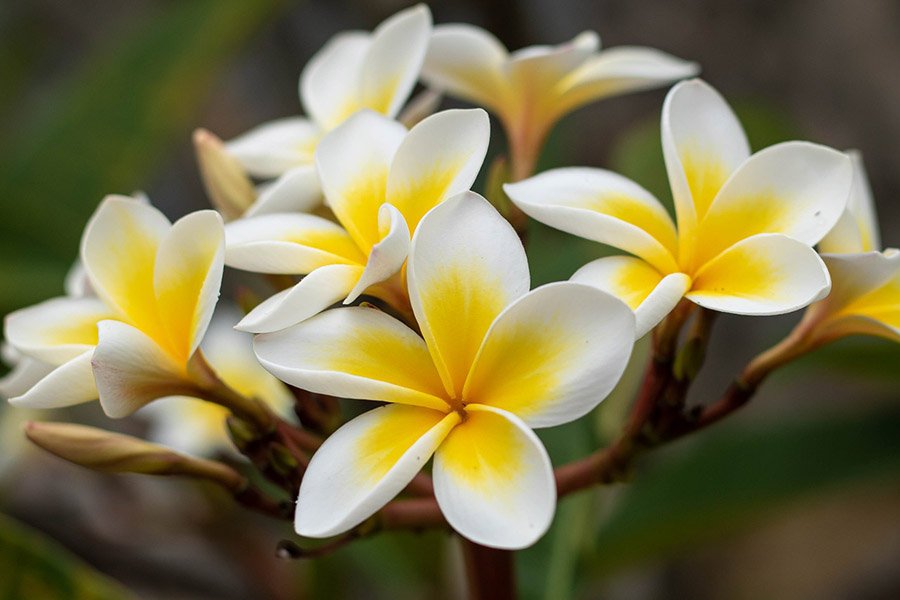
275	147
601	206
796	188
553	354
546	65
387	256
650	295
317	291
855	275
23	376
466	265
364	464
57	330
68	384
354	353
493	480
467	61
298	190
767	274
857	229
353	163
394	57
330	82
439	158
131	370
288	243
703	143
187	278
77	283
621	70
118	250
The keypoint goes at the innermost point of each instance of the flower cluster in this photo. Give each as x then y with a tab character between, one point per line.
414	290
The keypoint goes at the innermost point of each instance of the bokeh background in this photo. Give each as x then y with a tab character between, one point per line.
796	497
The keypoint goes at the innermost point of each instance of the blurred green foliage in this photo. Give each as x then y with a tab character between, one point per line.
33	566
106	130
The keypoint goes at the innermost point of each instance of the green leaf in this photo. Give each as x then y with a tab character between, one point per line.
724	481
34	566
111	126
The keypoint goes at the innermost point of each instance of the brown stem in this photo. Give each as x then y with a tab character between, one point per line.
207	385
490	572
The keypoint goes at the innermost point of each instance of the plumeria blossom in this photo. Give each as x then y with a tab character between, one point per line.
353	71
496	360
865	296
530	89
156	285
746	224
379	180
197	427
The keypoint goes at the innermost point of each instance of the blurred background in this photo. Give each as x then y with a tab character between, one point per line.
796	497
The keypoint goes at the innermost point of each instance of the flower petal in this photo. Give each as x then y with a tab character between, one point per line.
131	370
118	250
767	274
553	354
493	480
24	375
703	144
57	330
387	256
395	55
298	190
866	294
439	158
857	229
796	188
274	148
621	70
536	66
317	291
645	290
288	243
330	81
353	163
467	61
364	464
601	206
187	278
354	353
68	384
466	265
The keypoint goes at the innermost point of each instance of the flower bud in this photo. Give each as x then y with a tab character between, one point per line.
229	188
109	452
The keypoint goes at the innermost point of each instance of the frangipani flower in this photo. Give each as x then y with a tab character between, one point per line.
496	360
156	285
197	427
746	224
865	293
379	180
532	88
352	72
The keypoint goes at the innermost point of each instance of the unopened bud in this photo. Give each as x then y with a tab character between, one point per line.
242	433
109	452
227	184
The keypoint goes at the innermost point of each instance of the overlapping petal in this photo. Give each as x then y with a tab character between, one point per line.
493	480
298	190
364	464
857	229
68	384
457	275
288	244
560	349
439	158
330	80
353	162
317	291
57	330
602	206
766	274
274	148
649	293
354	353
795	188
387	256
